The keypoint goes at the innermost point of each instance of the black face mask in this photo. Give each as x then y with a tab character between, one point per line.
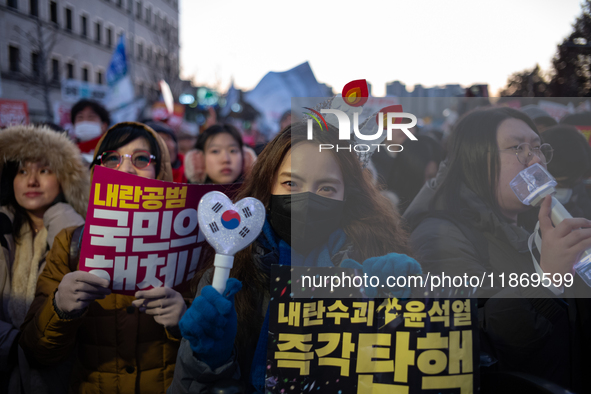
304	220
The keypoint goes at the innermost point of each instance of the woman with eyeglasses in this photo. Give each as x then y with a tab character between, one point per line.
465	222
121	344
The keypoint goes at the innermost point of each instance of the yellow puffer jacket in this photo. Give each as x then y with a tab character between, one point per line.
118	349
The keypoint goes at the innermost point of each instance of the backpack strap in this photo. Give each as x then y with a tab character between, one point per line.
75	244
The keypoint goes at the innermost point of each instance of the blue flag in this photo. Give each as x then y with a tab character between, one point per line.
118	66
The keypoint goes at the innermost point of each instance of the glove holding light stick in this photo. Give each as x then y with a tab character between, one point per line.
531	186
228	228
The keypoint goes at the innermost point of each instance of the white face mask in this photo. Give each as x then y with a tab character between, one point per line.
86	131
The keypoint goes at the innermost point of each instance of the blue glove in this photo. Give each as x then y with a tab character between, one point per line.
210	324
392	264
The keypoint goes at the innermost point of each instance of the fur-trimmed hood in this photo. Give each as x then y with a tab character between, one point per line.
31	143
165	173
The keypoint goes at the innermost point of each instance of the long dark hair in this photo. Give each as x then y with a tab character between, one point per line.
124	133
572	155
407	172
370	222
474	157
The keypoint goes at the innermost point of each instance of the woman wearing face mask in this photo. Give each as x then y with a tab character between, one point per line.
465	222
40	194
220	156
339	219
123	344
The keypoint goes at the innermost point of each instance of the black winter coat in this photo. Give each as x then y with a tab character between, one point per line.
526	330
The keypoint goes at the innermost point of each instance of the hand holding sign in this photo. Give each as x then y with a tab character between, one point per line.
165	304
78	289
228	228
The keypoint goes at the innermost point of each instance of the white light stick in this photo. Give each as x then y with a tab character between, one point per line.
531	186
228	228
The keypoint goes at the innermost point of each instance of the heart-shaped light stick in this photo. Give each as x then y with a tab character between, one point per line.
228	228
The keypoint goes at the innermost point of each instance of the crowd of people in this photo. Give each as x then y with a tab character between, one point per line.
435	206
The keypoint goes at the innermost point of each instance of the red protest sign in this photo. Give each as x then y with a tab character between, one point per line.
13	112
142	233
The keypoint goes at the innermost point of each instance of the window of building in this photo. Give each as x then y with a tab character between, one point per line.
69	26
70	70
97	32
138	9
109	37
119	3
55	69
159	59
129	6
99	77
140	50
148	55
85	74
149	14
53	11
12	3
34	7
35	65
83	22
14	58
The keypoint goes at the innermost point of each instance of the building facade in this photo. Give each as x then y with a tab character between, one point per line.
425	101
44	43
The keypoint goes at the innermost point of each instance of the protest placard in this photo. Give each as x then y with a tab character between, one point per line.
13	112
142	233
364	345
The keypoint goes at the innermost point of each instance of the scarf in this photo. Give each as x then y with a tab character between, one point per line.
282	254
30	252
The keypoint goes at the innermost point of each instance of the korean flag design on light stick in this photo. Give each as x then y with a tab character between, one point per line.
228	228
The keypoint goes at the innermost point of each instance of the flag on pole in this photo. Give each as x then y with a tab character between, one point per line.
121	87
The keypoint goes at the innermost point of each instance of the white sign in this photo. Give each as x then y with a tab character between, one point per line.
73	90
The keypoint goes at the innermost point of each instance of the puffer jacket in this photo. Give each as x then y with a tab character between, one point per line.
524	329
117	349
21	262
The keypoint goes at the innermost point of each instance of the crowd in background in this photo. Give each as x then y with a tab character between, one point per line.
440	204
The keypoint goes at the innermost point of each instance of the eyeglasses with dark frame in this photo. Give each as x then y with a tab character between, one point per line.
139	159
525	152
